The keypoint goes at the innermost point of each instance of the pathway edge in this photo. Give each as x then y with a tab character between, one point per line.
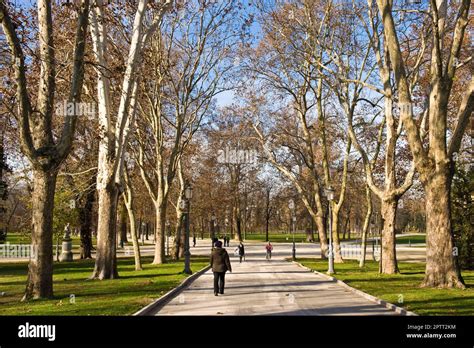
154	306
391	306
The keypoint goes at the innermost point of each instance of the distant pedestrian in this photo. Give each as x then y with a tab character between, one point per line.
269	249
220	264
241	251
194	240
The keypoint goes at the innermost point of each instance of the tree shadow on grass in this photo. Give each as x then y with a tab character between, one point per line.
378	280
137	276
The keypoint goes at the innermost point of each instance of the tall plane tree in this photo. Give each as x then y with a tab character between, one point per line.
113	132
45	151
435	159
189	63
287	63
351	74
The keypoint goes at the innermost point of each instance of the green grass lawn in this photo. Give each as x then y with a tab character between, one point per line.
21	238
18	238
123	296
422	301
417	239
277	237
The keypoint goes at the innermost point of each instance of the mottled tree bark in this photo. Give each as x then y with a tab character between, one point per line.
106	258
40	269
323	240
335	235
365	228
160	230
441	267
388	263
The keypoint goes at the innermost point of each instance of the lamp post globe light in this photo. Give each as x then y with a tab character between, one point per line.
188	194
291	205
329	191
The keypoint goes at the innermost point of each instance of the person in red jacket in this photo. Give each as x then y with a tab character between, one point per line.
269	249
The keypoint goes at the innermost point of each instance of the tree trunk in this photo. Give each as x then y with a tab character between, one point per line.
441	268
335	236
389	254
106	258
40	268
133	234
323	240
178	243
365	228
85	218
160	217
267	220
346	226
123	224
238	225
309	235
212	229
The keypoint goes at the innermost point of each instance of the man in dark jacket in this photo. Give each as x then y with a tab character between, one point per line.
220	264
241	251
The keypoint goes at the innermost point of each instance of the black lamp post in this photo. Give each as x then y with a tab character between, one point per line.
225	232
330	196
213	229
185	204
245	222
291	205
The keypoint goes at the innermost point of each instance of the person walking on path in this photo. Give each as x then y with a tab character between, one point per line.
220	264
241	251
269	249
194	240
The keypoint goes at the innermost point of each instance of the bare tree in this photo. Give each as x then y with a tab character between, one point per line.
128	197
350	79
188	62
45	152
365	226
114	132
435	160
291	64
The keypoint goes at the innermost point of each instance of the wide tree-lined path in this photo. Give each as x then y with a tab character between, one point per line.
276	287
